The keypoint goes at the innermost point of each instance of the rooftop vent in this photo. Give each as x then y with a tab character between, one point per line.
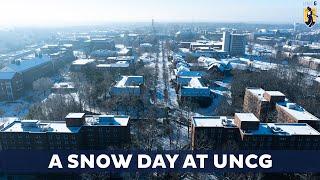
29	123
227	122
294	106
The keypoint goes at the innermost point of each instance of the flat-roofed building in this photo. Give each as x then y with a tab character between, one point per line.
293	113
210	132
128	85
261	102
254	102
246	121
205	45
77	133
63	87
278	136
120	66
247	133
80	64
100	44
20	74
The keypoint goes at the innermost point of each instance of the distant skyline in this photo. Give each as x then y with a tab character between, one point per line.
93	12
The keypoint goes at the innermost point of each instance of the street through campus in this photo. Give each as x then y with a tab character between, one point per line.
166	94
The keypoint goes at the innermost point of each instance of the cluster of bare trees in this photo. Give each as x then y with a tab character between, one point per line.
42	85
293	84
54	108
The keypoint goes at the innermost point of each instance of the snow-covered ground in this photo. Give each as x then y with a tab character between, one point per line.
160	82
19	108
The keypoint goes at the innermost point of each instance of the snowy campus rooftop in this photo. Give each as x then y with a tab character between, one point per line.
75	115
119	64
282	129
259	93
195	83
63	85
213	121
275	93
297	111
82	61
125	58
36	126
6	75
247	117
130	81
25	64
264	128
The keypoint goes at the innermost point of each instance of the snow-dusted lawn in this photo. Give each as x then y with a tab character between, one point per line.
19	108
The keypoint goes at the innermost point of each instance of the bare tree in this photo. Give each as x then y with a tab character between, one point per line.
42	85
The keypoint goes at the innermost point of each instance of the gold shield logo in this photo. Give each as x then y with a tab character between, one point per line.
310	16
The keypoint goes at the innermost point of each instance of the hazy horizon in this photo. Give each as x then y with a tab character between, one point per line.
98	12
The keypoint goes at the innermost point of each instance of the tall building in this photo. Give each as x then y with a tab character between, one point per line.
226	41
234	44
78	132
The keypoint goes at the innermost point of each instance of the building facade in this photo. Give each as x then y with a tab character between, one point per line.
245	132
78	132
266	104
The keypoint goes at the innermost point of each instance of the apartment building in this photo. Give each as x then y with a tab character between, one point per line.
77	132
20	74
248	133
263	103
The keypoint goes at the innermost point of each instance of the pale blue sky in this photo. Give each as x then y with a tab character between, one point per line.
72	12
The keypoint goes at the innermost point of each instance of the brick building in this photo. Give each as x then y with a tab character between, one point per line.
20	74
264	103
77	132
245	132
261	102
293	113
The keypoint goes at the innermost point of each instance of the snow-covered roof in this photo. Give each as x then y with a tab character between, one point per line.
7	75
107	120
75	115
36	126
24	65
286	129
125	58
213	121
247	117
130	81
119	64
195	83
258	92
63	85
190	73
81	62
275	93
297	111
